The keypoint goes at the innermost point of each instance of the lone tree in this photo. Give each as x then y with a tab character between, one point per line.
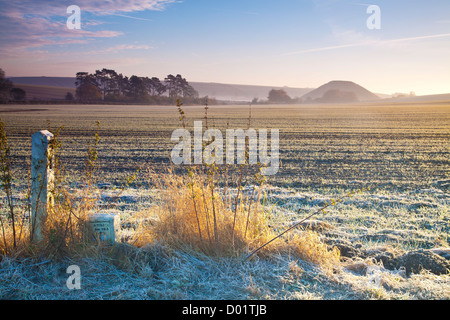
88	92
5	87
279	96
69	96
18	94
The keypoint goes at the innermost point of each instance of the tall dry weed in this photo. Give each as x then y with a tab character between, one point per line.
184	218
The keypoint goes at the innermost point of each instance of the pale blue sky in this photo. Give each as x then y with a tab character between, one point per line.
297	43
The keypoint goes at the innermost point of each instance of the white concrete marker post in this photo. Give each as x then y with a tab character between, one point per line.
42	181
104	225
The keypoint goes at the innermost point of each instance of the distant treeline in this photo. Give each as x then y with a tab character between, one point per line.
109	86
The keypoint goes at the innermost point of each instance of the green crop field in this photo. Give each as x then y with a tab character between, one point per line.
400	151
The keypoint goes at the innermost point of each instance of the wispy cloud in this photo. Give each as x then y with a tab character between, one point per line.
33	24
130	47
121	48
324	49
130	17
433	36
58	7
368	43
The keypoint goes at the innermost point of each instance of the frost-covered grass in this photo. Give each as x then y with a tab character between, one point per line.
167	274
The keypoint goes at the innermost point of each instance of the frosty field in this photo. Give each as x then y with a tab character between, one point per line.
400	151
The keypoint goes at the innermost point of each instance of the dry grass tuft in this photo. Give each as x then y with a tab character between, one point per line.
194	214
308	246
191	214
66	231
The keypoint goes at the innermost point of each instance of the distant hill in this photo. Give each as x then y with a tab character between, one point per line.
39	92
220	91
339	91
62	82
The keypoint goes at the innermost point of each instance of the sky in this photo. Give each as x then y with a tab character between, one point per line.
294	43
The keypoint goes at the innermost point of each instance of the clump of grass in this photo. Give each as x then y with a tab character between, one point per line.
188	217
190	213
308	246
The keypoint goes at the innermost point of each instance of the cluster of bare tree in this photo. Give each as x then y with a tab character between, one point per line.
108	85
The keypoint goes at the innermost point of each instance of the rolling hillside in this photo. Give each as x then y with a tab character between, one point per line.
39	92
63	82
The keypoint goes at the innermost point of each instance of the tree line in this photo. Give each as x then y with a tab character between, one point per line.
109	86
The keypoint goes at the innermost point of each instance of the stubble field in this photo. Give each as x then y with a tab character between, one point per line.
400	151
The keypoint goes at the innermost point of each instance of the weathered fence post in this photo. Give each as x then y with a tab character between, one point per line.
42	180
